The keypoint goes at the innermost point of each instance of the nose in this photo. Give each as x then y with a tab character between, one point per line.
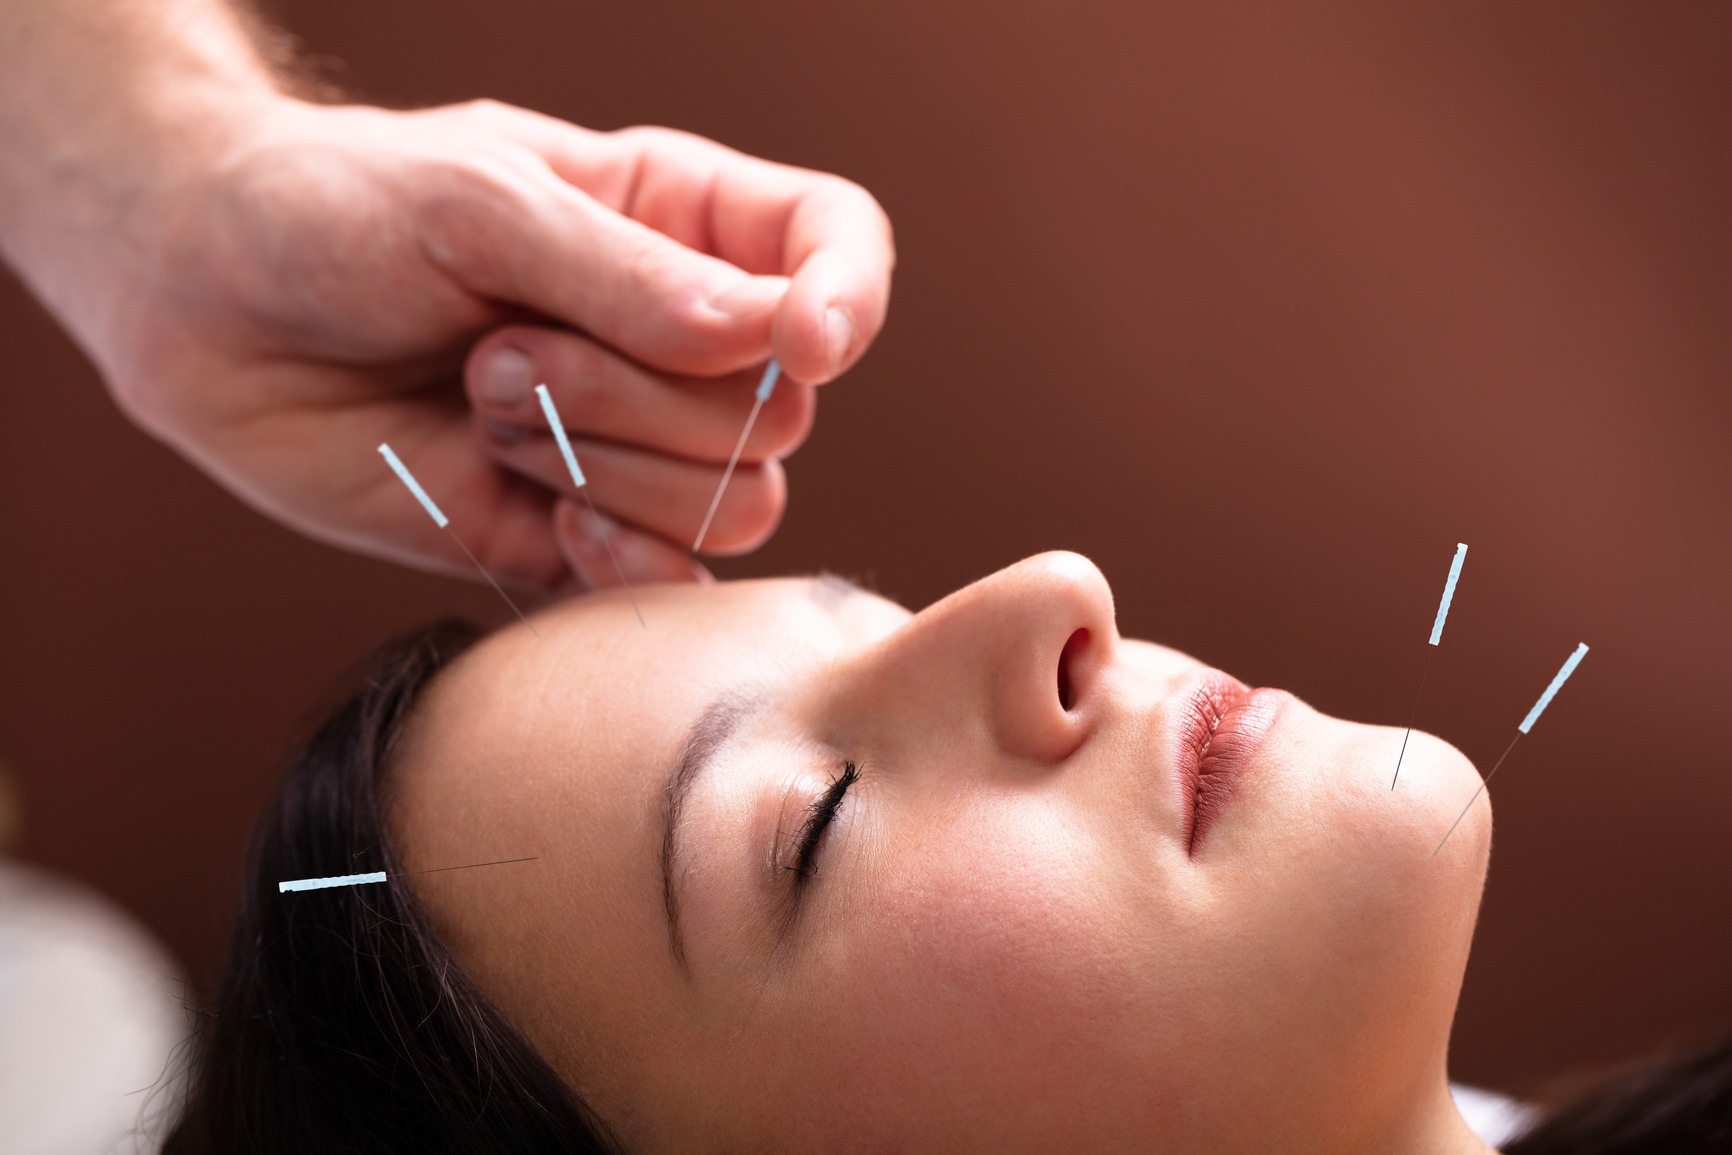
1019	654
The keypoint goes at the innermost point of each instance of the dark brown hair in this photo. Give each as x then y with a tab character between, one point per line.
341	1023
1679	1104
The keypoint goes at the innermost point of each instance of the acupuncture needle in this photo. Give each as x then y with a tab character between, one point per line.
1569	667
444	523
379	876
577	479
766	386
1436	636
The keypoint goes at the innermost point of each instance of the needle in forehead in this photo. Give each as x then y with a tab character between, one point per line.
444	523
577	479
1436	636
1527	723
766	386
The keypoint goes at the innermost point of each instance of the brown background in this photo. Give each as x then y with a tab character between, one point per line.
1262	310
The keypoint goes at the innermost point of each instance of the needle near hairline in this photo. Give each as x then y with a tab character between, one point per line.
338	880
444	523
552	414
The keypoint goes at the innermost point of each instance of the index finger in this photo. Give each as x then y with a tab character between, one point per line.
824	232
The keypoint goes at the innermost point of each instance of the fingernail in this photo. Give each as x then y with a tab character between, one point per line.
838	336
504	432
503	378
749	295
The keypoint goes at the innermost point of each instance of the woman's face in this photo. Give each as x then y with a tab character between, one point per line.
817	874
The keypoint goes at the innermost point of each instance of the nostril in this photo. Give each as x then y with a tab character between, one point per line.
1073	648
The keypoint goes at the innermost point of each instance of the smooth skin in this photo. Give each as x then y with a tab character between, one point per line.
274	286
1005	943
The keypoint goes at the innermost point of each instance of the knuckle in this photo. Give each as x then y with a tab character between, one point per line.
649	136
593	379
479	113
467	203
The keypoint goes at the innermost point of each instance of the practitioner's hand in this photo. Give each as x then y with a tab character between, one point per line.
275	287
652	445
314	293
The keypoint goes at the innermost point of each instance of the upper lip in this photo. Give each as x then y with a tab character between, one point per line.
1221	722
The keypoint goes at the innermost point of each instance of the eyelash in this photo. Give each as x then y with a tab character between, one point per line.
818	817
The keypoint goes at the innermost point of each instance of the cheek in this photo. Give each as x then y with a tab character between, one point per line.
1008	926
979	980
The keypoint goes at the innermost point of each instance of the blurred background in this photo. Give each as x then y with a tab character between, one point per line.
1263	309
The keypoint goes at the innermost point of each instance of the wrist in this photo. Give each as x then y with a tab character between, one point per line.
109	116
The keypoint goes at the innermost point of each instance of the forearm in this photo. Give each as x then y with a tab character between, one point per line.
107	107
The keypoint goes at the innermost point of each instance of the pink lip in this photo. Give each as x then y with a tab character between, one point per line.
1222	723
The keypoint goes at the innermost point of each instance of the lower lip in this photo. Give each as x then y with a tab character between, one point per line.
1226	724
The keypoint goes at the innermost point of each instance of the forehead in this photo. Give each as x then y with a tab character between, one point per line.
596	678
559	747
592	711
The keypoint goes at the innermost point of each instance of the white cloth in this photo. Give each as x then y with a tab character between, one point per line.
90	1022
1493	1117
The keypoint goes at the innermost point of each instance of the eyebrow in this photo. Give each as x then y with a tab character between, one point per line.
714	729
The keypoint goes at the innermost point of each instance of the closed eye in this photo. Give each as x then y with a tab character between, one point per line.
818	817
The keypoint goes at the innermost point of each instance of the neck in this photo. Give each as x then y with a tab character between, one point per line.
1434	1128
